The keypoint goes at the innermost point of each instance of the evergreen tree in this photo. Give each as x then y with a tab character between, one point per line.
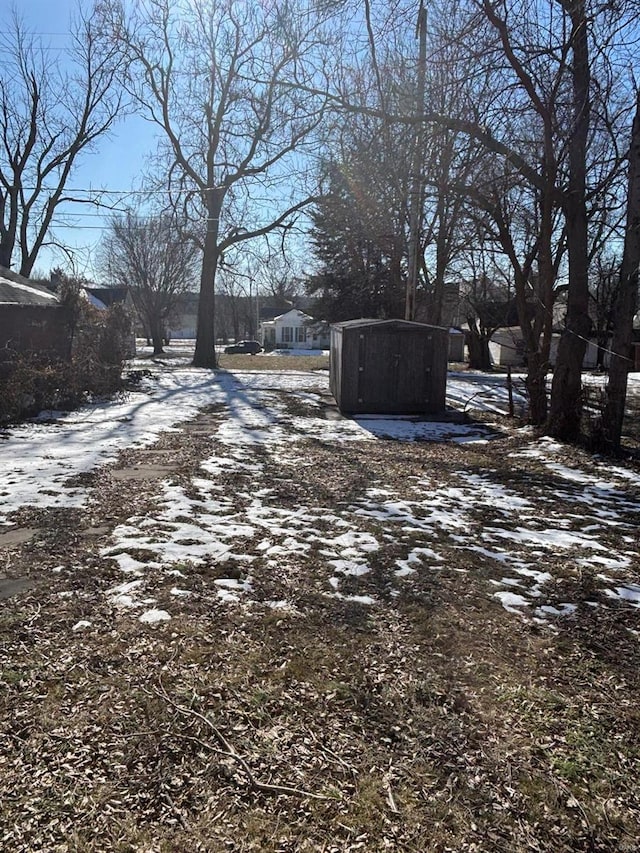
358	240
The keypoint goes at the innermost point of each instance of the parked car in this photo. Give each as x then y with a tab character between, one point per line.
243	347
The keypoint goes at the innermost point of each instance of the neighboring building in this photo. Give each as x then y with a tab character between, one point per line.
294	330
32	318
183	320
507	349
449	309
507	344
456	345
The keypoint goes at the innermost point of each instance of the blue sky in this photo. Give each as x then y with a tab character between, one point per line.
117	165
117	162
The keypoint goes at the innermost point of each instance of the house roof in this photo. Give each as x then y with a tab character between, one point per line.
109	295
17	290
297	311
93	299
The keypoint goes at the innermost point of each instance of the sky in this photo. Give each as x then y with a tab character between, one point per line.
119	163
116	164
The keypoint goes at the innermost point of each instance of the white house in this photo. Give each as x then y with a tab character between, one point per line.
294	330
456	345
507	349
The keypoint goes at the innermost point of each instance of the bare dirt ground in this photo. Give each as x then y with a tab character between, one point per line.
431	720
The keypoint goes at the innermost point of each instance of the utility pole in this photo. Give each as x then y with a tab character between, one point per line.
416	192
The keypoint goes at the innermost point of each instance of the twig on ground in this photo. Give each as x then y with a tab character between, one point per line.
391	800
333	755
183	821
228	751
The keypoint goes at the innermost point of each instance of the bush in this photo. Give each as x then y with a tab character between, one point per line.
32	382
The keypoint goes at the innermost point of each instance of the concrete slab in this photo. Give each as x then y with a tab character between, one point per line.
13	586
17	536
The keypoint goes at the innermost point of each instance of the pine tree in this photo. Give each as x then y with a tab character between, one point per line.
358	241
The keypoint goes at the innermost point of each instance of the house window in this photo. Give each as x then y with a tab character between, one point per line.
301	335
287	334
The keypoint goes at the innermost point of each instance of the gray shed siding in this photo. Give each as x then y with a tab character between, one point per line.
388	367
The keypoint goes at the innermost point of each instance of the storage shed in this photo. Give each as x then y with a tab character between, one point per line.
388	367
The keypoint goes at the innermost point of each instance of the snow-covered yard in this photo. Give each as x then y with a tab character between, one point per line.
522	532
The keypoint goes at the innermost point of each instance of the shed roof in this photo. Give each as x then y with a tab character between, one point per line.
392	324
17	290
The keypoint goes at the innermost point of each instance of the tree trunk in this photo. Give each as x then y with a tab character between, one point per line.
479	355
541	327
5	256
626	303
536	385
566	389
603	343
205	351
157	339
536	350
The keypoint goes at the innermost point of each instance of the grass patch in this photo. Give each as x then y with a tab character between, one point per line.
272	363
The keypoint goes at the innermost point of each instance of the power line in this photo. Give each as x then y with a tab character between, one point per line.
96	191
93	215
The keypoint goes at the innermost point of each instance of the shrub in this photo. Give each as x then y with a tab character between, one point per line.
32	382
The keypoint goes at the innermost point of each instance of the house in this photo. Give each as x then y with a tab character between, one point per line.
507	349
183	319
294	330
32	318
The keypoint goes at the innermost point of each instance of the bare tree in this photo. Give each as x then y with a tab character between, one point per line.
451	160
151	257
486	310
228	84
627	300
566	391
538	93
237	307
52	110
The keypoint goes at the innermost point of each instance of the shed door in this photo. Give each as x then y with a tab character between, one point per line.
392	370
